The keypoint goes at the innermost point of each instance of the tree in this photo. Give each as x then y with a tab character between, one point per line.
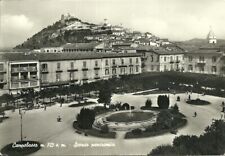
105	94
6	98
2	111
175	108
148	103
163	101
28	96
125	106
86	118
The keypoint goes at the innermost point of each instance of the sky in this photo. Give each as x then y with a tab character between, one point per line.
176	20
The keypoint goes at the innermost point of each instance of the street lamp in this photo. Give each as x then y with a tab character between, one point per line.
21	112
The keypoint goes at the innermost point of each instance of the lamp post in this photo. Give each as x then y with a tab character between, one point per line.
197	88
21	124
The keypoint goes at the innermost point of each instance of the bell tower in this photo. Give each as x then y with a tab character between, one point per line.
211	37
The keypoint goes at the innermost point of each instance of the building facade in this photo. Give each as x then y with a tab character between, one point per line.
206	61
38	70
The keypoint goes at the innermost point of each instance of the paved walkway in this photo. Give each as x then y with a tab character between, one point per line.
42	125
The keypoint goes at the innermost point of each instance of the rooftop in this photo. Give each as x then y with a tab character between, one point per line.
90	45
17	56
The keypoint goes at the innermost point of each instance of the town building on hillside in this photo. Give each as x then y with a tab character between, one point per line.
78	47
38	70
51	49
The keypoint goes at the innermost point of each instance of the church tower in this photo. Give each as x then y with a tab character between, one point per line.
211	37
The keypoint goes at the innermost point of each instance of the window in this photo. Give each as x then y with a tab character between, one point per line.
106	71
122	61
190	67
58	76
1	77
214	59
24	76
214	69
152	58
137	68
201	69
164	58
201	58
130	60
158	67
71	65
84	64
96	63
122	70
96	73
137	60
165	68
113	71
171	58
131	70
190	58
85	74
44	67
114	62
106	62
152	67
177	58
58	66
33	75
1	67
71	75
157	58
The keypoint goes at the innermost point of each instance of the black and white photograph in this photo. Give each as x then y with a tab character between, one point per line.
112	77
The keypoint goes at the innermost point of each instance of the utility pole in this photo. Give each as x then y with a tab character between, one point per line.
21	124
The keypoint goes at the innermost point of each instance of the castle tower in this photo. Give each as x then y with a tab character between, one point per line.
211	37
62	19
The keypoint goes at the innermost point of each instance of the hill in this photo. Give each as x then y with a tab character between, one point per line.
68	29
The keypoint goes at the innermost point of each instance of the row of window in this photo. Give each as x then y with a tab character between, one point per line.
202	69
45	66
202	58
85	73
171	58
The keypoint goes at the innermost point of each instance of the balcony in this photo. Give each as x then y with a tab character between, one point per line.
33	83
123	65
44	70
85	78
177	61
2	71
23	69
84	69
171	61
72	70
58	70
114	66
131	65
15	70
33	69
97	77
96	68
15	85
201	62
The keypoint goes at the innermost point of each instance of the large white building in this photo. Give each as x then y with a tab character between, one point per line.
37	70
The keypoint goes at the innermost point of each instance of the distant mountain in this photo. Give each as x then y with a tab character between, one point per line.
68	29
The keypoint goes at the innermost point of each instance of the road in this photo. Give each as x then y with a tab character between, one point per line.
59	138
